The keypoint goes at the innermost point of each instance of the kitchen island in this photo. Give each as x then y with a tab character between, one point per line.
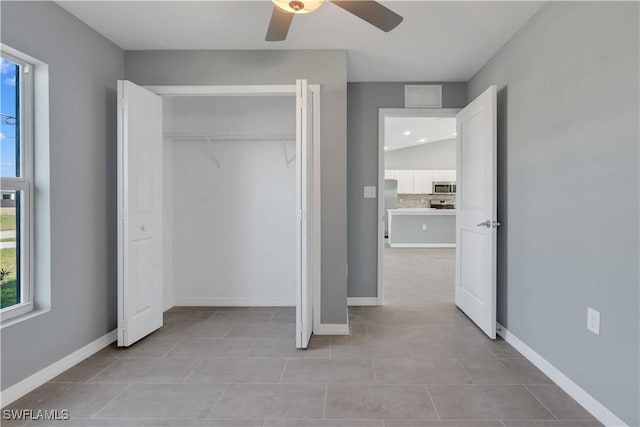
422	228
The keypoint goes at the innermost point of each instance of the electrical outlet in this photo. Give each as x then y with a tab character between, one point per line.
424	227
593	320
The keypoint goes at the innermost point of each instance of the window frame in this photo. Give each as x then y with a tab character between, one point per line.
23	184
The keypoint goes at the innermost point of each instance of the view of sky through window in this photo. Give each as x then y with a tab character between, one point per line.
8	118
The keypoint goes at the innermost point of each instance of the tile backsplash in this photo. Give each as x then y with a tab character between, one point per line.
420	200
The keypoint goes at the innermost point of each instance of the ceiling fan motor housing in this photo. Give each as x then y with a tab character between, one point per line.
298	6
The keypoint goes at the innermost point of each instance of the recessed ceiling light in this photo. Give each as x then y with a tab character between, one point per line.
422	140
386	148
407	133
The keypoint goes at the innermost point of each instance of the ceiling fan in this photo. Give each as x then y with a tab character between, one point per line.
371	11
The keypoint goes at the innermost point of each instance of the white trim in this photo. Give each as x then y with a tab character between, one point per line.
395	112
235	302
317	208
362	301
332	329
588	402
23	184
422	245
224	90
16	391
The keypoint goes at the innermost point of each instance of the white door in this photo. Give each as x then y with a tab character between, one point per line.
304	180
476	222
140	212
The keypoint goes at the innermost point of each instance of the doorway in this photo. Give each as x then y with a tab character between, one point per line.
463	200
416	244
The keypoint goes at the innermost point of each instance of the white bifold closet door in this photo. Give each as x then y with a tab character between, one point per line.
140	244
304	201
140	266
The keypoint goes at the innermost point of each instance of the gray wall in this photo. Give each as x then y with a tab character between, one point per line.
363	102
329	69
433	155
568	115
83	70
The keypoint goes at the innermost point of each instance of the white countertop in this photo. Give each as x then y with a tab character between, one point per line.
421	211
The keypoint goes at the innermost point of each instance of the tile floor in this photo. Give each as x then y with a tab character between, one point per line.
417	362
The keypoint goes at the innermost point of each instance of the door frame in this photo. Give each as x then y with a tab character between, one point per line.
274	90
382	114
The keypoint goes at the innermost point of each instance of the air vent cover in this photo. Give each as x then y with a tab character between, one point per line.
423	96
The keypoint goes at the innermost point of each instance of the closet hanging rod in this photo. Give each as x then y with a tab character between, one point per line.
229	137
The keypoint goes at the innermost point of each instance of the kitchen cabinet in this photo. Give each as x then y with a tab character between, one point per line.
419	181
405	181
422	182
444	176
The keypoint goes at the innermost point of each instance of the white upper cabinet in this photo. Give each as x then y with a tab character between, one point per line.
405	181
444	175
422	182
419	181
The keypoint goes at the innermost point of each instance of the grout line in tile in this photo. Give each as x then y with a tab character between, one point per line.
432	401
172	348
503	424
540	401
126	387
324	405
192	371
255	341
284	368
373	368
465	371
217	401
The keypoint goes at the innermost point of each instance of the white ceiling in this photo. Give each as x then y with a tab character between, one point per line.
437	41
421	130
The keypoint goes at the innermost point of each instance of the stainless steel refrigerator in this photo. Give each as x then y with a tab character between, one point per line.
390	200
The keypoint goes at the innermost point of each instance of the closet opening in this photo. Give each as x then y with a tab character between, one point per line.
240	204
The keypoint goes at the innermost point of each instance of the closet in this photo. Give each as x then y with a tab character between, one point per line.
219	191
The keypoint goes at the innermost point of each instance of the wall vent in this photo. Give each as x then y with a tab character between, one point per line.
423	96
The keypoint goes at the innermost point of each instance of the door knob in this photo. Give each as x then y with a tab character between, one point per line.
486	223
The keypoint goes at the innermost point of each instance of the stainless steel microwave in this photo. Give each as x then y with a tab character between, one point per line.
444	187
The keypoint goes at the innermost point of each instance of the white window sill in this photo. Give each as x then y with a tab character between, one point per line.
17	313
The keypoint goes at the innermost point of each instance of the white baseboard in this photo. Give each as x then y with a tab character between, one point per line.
588	402
235	302
16	391
361	301
423	245
332	329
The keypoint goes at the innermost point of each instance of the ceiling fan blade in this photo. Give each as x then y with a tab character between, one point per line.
279	25
372	12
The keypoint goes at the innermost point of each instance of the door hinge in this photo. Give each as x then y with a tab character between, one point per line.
122	215
301	215
300	327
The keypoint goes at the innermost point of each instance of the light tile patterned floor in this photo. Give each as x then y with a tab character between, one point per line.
409	364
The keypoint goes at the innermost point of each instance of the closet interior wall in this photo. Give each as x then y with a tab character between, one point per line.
230	223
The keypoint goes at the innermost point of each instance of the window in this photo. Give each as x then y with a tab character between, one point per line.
16	176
